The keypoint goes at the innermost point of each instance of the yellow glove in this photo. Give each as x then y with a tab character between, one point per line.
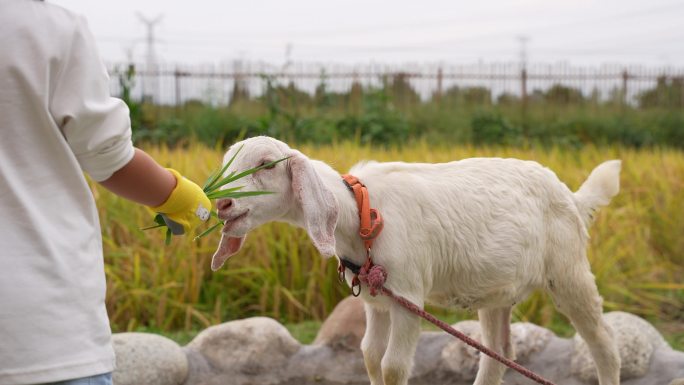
187	206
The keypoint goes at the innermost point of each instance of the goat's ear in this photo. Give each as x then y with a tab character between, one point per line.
226	248
317	202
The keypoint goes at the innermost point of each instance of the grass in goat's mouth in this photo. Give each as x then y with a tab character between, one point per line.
212	187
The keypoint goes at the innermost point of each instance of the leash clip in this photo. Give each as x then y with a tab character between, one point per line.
356	286
340	272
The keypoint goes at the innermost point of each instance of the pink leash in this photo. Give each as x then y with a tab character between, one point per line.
375	279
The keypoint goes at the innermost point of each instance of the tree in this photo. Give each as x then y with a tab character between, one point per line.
667	93
560	94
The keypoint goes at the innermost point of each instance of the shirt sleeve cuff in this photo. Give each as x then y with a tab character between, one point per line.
109	160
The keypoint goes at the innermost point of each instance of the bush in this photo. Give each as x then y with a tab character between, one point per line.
393	114
491	128
378	122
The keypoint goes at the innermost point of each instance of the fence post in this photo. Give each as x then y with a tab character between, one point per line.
440	77
176	79
355	94
625	79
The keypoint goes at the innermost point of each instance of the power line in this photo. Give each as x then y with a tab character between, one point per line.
649	11
448	22
425	46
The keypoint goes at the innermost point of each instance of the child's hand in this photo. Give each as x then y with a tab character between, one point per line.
187	206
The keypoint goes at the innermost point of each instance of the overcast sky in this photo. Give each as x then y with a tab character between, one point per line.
398	31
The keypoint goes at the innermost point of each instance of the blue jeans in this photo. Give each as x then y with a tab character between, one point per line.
100	379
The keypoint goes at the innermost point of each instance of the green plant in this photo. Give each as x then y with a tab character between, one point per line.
126	83
494	129
393	113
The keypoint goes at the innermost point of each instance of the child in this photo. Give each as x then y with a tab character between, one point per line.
57	119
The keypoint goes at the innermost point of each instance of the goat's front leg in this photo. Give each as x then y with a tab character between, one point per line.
374	341
396	364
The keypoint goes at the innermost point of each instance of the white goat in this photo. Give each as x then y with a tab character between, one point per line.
480	233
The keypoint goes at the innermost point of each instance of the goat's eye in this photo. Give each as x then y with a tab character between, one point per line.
265	162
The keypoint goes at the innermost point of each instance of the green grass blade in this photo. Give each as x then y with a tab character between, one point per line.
152	227
232	189
212	178
233	177
238	194
208	231
209	184
167	241
159	223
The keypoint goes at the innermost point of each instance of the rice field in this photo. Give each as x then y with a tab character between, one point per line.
636	248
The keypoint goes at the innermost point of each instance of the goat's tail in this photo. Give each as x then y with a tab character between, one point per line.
603	184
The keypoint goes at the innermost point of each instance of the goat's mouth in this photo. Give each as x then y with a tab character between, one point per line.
230	222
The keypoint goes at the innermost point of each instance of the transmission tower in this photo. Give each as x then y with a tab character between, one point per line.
523	51
523	81
150	84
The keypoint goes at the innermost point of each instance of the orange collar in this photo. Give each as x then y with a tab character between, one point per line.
371	220
370	227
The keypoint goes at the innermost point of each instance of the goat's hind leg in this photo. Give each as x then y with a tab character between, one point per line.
496	335
576	296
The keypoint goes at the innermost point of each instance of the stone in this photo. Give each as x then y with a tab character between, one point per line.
322	364
636	339
249	346
148	359
528	338
460	358
261	351
345	326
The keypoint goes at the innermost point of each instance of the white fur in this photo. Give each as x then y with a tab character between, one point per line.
479	233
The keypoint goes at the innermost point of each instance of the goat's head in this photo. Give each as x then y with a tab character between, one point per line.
299	196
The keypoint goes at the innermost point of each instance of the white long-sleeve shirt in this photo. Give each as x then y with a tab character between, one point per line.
57	120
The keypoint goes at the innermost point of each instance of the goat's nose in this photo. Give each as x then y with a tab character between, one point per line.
224	204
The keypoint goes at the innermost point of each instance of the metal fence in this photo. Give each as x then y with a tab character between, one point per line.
175	84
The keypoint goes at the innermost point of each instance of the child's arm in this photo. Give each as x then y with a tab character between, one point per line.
142	180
